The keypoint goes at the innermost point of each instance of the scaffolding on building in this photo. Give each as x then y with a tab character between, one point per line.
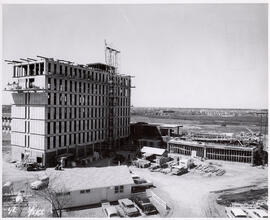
111	60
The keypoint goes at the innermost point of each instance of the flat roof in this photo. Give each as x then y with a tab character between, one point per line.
153	150
166	125
91	177
210	145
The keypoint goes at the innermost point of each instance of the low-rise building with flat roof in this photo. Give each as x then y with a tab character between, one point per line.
243	154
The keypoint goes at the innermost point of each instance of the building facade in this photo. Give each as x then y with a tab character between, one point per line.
60	107
6	123
213	151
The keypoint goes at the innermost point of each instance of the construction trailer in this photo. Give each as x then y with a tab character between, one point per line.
61	107
244	154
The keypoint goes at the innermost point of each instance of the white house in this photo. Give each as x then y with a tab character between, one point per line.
86	186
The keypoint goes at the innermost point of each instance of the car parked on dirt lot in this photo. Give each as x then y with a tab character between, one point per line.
154	167
128	207
42	183
111	212
256	213
146	206
235	213
143	182
34	167
179	171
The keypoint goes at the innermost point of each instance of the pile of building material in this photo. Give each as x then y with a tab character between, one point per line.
209	170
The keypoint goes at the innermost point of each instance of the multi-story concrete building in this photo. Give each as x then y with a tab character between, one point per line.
6	122
60	107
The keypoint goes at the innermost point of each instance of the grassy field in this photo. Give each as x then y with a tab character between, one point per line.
196	125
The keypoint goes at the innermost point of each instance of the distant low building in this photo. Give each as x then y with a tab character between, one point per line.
234	153
149	142
142	132
152	151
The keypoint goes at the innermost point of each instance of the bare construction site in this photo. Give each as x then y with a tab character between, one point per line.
75	146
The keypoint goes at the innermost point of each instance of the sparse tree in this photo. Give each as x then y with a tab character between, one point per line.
56	195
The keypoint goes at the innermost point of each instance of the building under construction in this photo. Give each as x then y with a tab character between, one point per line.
244	154
66	108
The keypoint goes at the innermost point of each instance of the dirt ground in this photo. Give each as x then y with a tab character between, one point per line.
190	195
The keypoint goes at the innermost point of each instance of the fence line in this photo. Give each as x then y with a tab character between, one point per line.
160	201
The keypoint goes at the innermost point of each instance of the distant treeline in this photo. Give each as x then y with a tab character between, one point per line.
237	119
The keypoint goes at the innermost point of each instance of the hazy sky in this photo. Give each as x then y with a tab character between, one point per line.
181	55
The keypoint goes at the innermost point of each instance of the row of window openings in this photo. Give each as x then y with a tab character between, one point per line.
73	71
82	138
84	100
83	126
210	150
84	74
84	112
117	189
29	70
85	87
76	100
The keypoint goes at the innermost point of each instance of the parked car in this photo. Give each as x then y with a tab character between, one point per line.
42	183
176	171
128	207
143	182
34	167
111	212
154	167
118	158
146	206
256	213
235	213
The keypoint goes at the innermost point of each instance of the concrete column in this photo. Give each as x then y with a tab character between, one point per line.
204	152
43	160
39	69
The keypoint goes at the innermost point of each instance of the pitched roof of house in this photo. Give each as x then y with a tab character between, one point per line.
91	177
153	150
